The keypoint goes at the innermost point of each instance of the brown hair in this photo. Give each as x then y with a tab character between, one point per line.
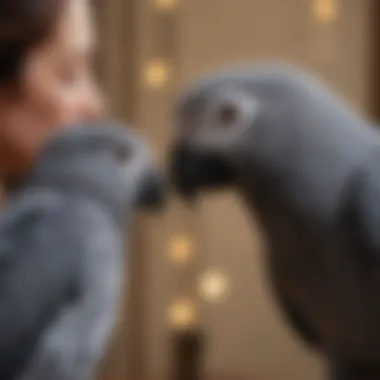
23	25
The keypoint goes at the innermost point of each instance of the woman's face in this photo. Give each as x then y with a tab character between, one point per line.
56	89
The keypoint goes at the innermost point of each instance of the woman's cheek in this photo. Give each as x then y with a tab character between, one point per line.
32	126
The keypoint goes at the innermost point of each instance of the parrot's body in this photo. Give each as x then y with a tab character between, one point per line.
308	167
76	341
81	197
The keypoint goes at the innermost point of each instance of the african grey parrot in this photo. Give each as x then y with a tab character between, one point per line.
80	197
308	167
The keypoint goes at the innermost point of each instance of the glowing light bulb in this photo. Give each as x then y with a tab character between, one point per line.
213	286
156	74
182	314
325	11
166	5
180	249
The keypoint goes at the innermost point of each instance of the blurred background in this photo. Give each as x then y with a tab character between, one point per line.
197	304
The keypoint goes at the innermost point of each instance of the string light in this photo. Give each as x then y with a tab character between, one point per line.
180	249
182	314
325	11
166	5
156	74
213	286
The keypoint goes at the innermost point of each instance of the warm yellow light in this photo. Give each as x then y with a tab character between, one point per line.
182	314
325	10
166	5
156	74
213	286
180	249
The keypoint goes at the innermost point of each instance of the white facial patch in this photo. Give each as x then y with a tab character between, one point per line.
225	122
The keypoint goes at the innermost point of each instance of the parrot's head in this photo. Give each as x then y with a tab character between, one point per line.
109	162
231	120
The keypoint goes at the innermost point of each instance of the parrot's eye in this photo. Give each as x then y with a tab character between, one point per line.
227	114
122	154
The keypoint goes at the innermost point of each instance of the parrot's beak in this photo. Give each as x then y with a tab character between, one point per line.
183	168
190	171
154	191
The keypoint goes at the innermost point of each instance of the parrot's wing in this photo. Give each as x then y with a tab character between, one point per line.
77	340
364	216
38	265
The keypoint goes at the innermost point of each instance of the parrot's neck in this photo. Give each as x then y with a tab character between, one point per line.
304	152
311	179
80	188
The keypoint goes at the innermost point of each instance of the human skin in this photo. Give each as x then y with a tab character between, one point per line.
54	85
